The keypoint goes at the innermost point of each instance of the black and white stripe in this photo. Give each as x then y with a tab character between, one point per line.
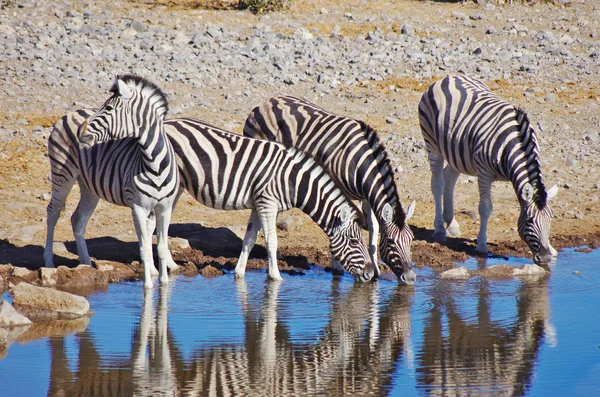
120	154
477	133
355	157
228	171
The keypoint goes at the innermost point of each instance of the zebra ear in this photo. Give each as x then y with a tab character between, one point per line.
552	192
387	213
411	209
123	89
345	214
527	193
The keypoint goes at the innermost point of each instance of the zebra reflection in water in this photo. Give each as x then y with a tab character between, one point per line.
355	352
466	353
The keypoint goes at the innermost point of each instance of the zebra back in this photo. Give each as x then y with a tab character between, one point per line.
476	130
354	155
229	171
349	148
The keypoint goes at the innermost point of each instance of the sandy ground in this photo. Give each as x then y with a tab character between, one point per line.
215	236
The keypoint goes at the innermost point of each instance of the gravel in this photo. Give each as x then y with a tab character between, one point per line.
57	56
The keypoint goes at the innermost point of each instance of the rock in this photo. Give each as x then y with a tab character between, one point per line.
550	97
138	26
457	273
529	270
9	317
44	304
407	29
48	276
178	244
103	267
498	271
458	15
22	272
211	271
80	277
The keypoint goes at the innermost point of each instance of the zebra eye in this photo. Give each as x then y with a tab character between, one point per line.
354	241
109	108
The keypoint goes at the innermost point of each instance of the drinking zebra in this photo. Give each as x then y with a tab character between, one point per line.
356	158
477	133
138	171
228	171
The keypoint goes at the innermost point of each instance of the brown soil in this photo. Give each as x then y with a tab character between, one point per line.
215	236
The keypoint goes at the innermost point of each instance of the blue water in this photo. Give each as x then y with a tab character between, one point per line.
320	335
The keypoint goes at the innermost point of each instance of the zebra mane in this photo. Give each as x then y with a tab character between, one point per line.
299	153
379	150
143	84
540	195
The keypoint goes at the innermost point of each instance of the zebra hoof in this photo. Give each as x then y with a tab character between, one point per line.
153	272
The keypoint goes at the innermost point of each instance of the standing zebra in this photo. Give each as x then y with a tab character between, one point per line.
356	158
228	171
122	155
477	133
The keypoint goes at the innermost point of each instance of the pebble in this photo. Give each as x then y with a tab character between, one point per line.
457	273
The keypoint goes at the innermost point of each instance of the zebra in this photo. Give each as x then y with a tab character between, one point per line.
228	171
356	158
224	170
120	154
476	133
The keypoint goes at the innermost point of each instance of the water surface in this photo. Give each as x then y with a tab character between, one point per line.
319	335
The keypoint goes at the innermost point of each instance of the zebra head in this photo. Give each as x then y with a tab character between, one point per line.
534	222
135	106
395	241
347	244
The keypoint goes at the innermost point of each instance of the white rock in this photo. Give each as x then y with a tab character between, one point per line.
46	274
9	317
43	304
529	270
20	271
178	244
458	273
103	267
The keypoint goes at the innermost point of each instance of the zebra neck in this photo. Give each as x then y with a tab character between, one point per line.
153	144
322	201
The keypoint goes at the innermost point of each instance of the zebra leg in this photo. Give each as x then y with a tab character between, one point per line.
150	227
450	178
140	216
79	220
267	216
165	260
436	164
485	210
373	226
249	241
59	196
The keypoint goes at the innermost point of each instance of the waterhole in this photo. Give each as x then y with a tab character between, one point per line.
319	335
